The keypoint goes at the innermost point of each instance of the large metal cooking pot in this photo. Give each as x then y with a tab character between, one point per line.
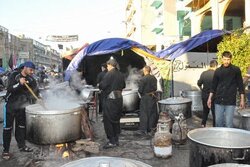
53	126
245	118
106	162
210	146
229	165
130	100
176	105
196	98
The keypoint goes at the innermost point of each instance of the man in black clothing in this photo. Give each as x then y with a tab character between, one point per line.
99	78
226	81
148	103
17	98
205	84
112	85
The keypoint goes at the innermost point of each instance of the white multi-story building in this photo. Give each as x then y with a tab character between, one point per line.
218	14
156	23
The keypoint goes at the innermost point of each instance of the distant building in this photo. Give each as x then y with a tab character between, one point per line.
21	49
160	23
156	23
218	14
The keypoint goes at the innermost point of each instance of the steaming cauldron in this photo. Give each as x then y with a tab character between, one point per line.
53	126
130	100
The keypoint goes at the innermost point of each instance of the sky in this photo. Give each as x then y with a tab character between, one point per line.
91	20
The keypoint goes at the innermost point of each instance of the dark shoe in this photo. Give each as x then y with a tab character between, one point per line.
151	133
6	155
109	145
25	149
141	133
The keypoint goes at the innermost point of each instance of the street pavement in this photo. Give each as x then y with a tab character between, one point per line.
131	146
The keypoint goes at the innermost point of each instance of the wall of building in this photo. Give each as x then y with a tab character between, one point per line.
187	70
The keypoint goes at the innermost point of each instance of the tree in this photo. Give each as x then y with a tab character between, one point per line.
238	43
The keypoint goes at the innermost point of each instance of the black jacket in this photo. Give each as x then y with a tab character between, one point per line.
226	82
18	94
148	84
113	80
205	82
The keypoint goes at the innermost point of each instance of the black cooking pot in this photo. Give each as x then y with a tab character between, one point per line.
210	146
176	105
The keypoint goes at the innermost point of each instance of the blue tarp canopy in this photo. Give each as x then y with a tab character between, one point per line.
113	45
103	47
178	49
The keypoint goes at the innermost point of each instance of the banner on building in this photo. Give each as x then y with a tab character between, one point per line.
62	38
23	55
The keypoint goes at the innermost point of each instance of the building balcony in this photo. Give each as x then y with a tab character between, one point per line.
129	4
156	4
196	4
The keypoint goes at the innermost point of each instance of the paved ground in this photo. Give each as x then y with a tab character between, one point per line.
131	146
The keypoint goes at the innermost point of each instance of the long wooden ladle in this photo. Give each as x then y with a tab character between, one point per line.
39	100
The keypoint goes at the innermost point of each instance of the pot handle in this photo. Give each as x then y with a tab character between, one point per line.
238	158
182	93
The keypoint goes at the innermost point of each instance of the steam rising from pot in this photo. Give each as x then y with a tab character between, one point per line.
134	76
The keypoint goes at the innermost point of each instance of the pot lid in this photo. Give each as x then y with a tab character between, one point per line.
56	109
245	112
175	100
106	162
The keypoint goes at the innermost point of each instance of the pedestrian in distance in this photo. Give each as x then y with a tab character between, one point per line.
226	81
205	84
17	98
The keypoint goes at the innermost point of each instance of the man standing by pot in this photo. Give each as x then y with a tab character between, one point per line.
227	79
112	85
17	98
205	84
148	104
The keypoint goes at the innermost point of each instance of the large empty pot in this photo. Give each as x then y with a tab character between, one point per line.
55	125
106	162
210	146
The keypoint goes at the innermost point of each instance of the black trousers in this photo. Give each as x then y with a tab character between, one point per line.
111	119
206	112
101	98
148	113
11	114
